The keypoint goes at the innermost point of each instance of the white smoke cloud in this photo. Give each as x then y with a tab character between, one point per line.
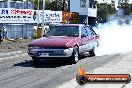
114	38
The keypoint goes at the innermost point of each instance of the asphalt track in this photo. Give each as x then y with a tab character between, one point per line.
19	72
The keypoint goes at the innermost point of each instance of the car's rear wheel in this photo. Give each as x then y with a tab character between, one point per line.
92	52
75	55
35	60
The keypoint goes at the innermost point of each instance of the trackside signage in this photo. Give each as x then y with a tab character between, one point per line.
51	16
10	15
17	16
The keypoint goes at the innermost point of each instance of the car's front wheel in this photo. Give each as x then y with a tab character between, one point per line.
75	54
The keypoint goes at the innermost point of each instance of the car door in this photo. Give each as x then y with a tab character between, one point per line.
83	43
91	38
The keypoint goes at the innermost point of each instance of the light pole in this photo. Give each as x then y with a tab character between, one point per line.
38	15
26	23
63	5
43	20
8	3
88	12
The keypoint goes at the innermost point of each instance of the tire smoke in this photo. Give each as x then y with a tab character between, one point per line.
114	38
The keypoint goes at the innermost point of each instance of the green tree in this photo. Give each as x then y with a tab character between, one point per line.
126	7
47	4
104	11
60	5
55	5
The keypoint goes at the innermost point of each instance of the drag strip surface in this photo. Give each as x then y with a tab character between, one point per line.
21	73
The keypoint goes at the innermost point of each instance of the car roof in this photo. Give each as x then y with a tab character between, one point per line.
70	25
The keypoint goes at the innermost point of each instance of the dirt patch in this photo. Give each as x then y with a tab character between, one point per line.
18	44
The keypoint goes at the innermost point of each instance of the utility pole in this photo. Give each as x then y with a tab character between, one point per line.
43	20
8	4
63	5
38	14
26	23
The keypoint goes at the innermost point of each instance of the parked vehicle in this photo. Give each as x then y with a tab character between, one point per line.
64	40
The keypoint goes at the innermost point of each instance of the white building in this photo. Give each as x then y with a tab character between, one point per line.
17	18
87	10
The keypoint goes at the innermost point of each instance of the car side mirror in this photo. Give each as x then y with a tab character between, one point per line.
83	35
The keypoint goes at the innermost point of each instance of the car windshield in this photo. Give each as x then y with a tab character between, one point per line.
70	31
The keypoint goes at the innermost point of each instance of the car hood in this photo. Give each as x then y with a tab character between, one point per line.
54	41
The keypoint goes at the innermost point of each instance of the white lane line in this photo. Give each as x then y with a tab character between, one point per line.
13	56
9	53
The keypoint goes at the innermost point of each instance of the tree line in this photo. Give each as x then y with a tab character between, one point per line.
55	5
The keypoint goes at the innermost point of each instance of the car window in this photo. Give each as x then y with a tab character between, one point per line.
93	32
83	31
70	31
90	31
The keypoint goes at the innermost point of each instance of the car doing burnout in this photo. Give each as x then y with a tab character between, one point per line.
64	40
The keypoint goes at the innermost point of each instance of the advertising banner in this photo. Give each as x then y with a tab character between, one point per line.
50	16
8	15
17	16
70	17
